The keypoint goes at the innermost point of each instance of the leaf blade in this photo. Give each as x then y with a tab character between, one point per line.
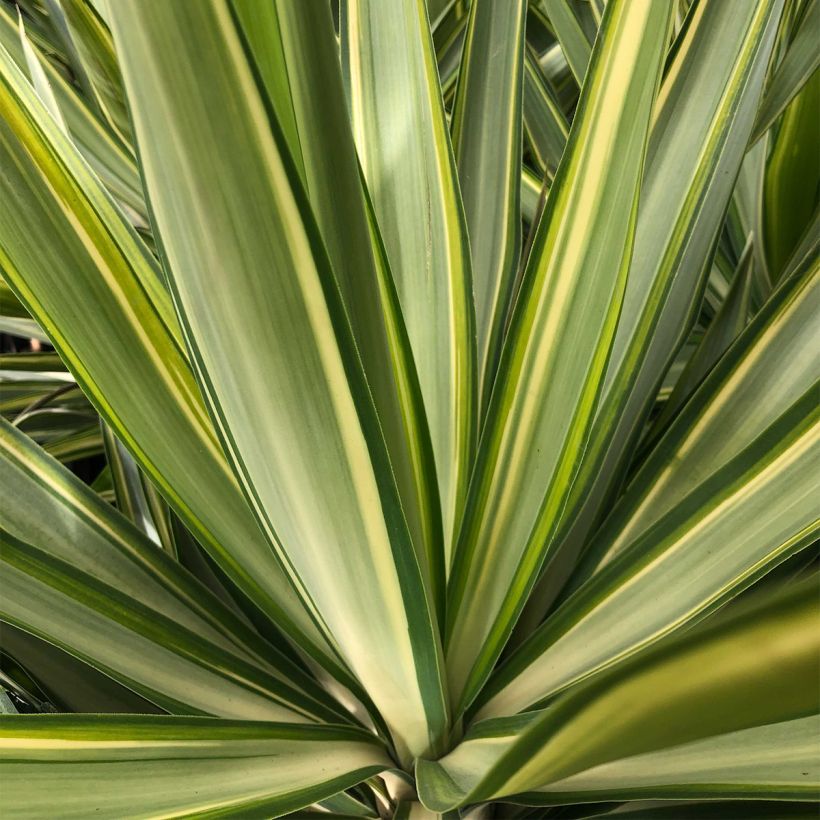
307	437
197	767
526	463
404	146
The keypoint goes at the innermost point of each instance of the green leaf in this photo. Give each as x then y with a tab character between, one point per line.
38	76
801	61
332	176
754	667
137	646
24	328
125	480
76	445
748	517
574	42
717	810
701	124
22	395
551	58
745	218
242	249
792	182
486	130
722	331
95	48
407	810
404	147
9	304
33	362
110	296
101	147
140	767
726	414
261	27
543	400
531	192
807	248
546	125
49	679
56	512
777	761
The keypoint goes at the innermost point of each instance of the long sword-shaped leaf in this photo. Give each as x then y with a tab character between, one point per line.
779	761
750	516
551	58
294	411
148	767
19	396
715	86
261	27
76	445
23	328
574	42
334	187
557	345
532	189
403	143
755	667
792	179
34	362
38	76
103	149
62	219
801	61
727	412
126	484
545	122
745	217
49	679
10	305
807	248
57	513
722	331
699	136
145	651
62	41
95	49
486	128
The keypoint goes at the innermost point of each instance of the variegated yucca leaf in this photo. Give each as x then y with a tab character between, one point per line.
409	408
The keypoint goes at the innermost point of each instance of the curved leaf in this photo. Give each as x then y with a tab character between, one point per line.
145	651
751	515
403	143
779	761
801	61
242	249
486	129
757	666
56	195
143	767
557	346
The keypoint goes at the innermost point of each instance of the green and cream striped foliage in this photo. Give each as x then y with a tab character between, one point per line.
409	408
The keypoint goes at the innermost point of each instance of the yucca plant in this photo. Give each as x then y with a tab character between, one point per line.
438	389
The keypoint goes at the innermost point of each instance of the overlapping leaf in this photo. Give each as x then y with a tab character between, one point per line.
404	147
293	409
115	292
182	767
557	347
715	680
